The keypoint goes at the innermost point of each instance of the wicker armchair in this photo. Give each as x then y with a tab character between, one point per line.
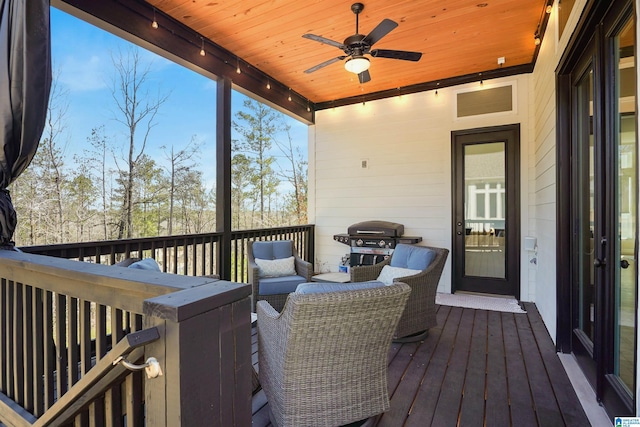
420	313
323	360
275	289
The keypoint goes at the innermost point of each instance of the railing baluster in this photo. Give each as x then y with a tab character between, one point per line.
85	337
85	352
49	349
18	344
4	363
185	257
175	258
72	341
101	331
27	351
194	257
10	341
164	256
133	403
39	351
60	342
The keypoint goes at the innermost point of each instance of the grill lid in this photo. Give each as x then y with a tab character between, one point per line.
376	228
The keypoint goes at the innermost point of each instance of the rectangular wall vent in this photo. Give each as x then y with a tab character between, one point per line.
485	101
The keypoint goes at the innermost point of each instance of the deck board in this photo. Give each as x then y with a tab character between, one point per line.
475	368
473	391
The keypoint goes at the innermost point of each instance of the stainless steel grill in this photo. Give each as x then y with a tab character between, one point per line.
373	241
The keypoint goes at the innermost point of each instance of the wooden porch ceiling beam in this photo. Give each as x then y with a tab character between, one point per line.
423	87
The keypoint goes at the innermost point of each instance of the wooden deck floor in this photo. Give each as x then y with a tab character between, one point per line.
476	368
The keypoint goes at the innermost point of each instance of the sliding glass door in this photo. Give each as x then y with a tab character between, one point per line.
598	97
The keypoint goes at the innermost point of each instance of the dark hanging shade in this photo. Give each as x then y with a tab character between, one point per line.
25	81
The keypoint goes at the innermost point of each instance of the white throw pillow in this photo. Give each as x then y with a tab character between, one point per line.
389	273
276	267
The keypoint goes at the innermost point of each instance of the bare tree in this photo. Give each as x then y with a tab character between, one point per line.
179	165
296	173
136	110
97	157
52	150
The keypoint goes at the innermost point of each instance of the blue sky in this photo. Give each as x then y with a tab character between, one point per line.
83	66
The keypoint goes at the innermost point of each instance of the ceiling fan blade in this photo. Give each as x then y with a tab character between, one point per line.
396	54
323	40
364	76
380	31
324	64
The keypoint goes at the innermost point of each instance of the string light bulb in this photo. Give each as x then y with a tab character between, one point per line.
238	70
154	24
437	86
289	97
268	84
308	107
481	81
202	52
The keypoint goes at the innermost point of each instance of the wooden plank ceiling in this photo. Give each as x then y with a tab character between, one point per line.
456	38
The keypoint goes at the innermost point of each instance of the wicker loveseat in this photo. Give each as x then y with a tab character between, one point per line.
323	360
275	287
420	313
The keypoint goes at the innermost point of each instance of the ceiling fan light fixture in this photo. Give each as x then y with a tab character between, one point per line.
357	64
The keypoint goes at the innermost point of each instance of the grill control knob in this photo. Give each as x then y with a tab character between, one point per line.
359	242
381	243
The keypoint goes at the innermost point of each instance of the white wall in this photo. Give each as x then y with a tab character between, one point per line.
542	165
406	142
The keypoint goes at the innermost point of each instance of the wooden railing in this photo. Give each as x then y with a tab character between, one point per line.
191	254
62	321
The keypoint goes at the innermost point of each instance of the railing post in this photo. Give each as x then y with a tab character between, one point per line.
204	351
311	244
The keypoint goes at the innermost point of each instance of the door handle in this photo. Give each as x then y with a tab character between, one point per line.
624	263
599	262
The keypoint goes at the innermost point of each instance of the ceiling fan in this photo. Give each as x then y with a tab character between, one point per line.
358	45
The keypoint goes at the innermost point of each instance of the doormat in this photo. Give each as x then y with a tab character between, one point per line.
480	302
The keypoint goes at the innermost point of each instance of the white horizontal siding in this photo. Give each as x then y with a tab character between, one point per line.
407	145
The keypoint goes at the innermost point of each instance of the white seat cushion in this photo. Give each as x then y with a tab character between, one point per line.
389	273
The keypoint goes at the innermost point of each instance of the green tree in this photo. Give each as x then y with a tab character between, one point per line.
241	187
257	125
192	198
150	195
82	192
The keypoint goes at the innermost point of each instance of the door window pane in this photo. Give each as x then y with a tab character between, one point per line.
585	206
484	177
625	286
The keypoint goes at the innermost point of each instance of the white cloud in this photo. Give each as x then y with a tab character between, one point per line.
81	75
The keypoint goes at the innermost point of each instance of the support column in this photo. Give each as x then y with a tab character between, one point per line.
223	175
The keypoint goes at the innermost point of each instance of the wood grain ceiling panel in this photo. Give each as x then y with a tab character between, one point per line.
456	37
